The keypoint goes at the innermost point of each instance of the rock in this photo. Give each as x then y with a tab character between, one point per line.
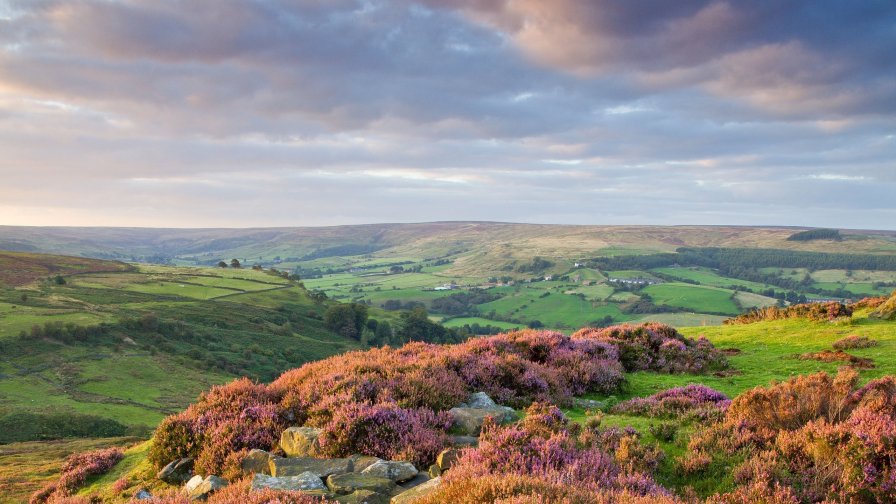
588	404
299	441
361	462
469	420
293	466
480	400
257	461
206	487
435	471
417	480
142	494
345	484
462	441
447	458
177	472
409	496
194	482
363	497
395	471
304	481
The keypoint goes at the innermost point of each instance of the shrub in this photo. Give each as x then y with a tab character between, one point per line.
853	341
665	431
690	401
817	435
75	471
657	347
412	385
386	431
817	312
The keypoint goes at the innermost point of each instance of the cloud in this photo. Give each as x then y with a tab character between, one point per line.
226	112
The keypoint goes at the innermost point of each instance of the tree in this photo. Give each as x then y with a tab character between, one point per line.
235	263
59	280
383	333
222	264
347	319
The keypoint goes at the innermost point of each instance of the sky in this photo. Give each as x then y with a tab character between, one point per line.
224	113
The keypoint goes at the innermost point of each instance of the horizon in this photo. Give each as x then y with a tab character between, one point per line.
238	115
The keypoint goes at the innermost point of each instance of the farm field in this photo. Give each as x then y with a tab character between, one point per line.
694	298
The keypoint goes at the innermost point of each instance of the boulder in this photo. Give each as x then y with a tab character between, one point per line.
142	494
480	400
435	471
304	481
300	441
256	461
361	462
395	471
362	497
177	472
206	487
468	421
462	441
409	496
345	484
447	458
294	466
194	482
417	480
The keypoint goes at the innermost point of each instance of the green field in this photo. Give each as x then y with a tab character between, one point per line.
461	321
706	276
693	298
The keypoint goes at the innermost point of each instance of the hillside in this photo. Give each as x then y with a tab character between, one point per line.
661	454
101	347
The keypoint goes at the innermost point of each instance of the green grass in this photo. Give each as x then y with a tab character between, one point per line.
26	467
693	298
461	321
706	276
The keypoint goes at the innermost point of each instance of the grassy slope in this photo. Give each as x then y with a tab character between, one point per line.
242	322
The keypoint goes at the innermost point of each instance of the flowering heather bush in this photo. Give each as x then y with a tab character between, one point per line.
406	388
817	435
228	419
386	431
694	401
817	312
657	347
544	458
869	302
854	341
75	471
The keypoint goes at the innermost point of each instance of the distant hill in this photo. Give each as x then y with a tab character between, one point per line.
475	247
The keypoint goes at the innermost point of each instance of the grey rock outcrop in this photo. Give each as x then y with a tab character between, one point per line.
293	466
204	488
345	484
177	472
300	441
256	461
395	471
304	481
409	496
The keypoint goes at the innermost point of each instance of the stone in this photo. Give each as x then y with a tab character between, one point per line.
206	487
194	482
417	480
304	481
345	484
363	497
480	400
447	458
468	421
395	471
435	471
256	461
361	462
142	494
300	441
463	441
588	404
409	496
177	472
293	466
